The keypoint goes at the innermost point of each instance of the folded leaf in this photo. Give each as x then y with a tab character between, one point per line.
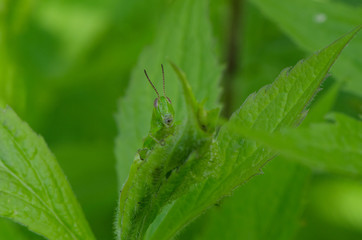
33	188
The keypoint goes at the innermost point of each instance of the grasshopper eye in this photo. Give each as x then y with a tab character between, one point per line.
155	103
168	119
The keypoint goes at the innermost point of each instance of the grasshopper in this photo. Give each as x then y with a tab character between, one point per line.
162	122
163	163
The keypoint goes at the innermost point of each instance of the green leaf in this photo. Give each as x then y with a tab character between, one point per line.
313	24
33	188
329	146
179	40
252	209
278	194
278	105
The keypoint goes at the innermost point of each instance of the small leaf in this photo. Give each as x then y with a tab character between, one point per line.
278	105
33	188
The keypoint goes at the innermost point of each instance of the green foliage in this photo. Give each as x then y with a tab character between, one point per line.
169	167
317	25
327	146
252	209
177	40
237	159
276	195
64	65
34	190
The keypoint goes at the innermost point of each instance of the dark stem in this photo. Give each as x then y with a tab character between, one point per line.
232	54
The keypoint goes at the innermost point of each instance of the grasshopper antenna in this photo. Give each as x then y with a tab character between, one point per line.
163	78
152	84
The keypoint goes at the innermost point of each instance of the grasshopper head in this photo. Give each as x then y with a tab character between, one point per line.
164	111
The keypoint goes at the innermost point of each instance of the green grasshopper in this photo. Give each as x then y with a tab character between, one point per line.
162	122
165	161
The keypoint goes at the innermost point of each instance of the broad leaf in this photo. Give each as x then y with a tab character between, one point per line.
33	188
176	41
237	159
312	24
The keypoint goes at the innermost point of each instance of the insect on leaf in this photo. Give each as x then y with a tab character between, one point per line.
238	159
162	169
179	41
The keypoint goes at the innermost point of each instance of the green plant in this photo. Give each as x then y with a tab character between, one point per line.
204	159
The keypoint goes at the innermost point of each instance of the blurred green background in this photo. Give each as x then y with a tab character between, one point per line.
64	65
